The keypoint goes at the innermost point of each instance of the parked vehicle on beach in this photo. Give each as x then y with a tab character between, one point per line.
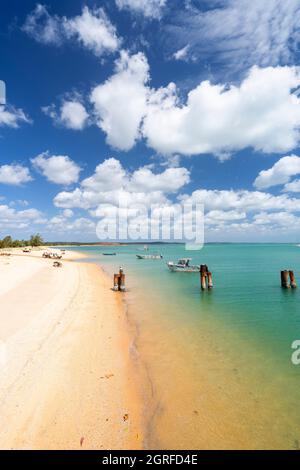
183	266
51	255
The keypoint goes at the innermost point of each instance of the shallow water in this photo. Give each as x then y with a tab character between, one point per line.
220	361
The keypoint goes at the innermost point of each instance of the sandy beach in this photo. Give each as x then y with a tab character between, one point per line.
67	377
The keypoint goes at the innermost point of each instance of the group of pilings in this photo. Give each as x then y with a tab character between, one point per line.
288	280
119	281
206	279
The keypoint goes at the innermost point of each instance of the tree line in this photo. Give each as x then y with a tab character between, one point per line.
8	242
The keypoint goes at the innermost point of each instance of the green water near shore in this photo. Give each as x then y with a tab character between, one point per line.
219	362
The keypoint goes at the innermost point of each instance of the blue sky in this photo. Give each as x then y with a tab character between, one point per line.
161	101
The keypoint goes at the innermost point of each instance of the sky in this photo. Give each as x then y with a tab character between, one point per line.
156	102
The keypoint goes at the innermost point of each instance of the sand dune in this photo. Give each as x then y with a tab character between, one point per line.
66	373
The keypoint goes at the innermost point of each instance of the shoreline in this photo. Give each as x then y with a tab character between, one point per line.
140	366
60	387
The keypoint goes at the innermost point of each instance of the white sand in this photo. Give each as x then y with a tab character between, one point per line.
66	377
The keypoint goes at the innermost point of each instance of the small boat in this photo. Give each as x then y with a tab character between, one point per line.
183	266
154	256
109	254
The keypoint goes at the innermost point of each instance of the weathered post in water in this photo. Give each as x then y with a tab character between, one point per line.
116	282
203	276
203	281
210	280
293	280
285	280
119	281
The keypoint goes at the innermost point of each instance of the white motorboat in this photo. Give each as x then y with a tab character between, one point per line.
183	266
153	256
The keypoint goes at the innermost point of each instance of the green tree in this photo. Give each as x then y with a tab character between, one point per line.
36	240
6	242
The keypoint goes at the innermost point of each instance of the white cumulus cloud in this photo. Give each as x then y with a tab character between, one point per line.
92	29
280	173
43	27
71	114
11	218
242	200
293	187
120	103
262	113
111	183
12	117
169	181
14	174
58	169
229	214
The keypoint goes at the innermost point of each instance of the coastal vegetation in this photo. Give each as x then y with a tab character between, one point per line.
34	241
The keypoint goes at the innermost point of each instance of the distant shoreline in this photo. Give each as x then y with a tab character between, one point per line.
108	244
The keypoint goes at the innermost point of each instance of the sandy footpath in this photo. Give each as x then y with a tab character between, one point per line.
67	378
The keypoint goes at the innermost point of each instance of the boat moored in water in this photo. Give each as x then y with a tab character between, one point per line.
183	266
153	256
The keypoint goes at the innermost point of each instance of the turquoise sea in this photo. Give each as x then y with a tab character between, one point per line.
218	363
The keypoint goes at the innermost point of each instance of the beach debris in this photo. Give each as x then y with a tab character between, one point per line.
81	441
288	280
57	264
126	417
107	376
119	281
206	277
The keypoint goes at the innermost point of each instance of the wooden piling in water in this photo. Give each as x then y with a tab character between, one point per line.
285	279
292	280
116	282
206	277
210	281
203	281
122	283
119	281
